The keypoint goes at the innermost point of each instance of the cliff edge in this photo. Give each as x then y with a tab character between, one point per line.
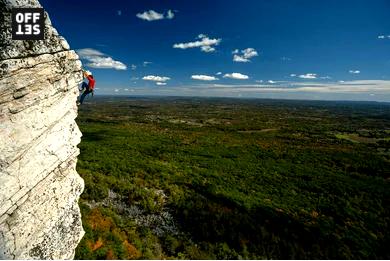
39	185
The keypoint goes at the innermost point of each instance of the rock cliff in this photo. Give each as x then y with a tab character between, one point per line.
39	186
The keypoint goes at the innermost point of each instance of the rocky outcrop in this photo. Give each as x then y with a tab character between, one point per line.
39	186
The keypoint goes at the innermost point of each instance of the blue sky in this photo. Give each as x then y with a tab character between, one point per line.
294	49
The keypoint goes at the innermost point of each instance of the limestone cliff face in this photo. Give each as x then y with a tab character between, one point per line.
39	186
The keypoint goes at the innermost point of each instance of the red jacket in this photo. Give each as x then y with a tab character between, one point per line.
91	82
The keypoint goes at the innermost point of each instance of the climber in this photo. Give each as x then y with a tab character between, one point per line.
88	87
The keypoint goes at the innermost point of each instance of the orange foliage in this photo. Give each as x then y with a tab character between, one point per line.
95	245
98	244
111	255
314	214
97	221
132	252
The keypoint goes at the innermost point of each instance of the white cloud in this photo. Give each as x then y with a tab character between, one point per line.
204	77
134	78
116	90
354	71
245	55
119	12
133	66
146	63
240	59
384	36
161	83
249	53
237	76
284	58
89	52
308	76
97	59
207	49
218	73
106	63
170	14
271	81
152	15
259	81
206	44
156	78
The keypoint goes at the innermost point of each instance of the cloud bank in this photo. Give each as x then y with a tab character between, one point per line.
361	86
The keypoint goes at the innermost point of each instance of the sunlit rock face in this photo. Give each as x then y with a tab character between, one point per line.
39	185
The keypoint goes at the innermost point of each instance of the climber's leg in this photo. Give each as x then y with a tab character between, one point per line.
85	93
